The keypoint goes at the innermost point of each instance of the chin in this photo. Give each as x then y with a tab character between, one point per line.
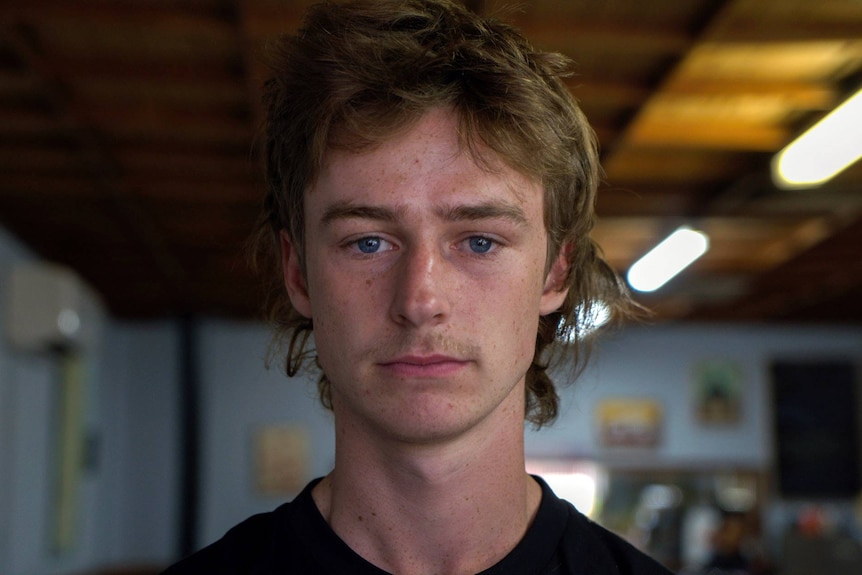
435	424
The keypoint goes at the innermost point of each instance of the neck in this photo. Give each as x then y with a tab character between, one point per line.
456	506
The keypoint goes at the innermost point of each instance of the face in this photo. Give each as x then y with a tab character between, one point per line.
425	279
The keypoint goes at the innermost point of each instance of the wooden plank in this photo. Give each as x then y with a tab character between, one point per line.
714	134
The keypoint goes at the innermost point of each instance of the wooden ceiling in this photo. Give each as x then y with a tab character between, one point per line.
127	138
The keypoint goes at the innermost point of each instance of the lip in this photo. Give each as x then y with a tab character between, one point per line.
424	365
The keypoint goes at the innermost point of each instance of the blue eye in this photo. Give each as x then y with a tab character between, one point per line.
480	245
368	245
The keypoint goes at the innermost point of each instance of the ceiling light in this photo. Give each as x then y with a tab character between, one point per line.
823	150
667	259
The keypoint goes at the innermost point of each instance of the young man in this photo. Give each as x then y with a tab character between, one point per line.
431	186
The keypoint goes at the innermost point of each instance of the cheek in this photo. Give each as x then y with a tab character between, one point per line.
511	316
343	306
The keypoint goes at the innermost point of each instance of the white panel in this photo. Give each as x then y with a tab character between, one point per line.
48	305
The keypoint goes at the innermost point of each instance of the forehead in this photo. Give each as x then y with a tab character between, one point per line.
429	155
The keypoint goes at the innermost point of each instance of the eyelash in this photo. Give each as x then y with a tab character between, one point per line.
492	245
354	245
490	242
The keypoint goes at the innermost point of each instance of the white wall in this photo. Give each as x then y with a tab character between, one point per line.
140	443
239	397
128	497
10	253
30	387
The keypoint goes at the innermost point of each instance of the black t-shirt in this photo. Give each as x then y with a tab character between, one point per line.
295	539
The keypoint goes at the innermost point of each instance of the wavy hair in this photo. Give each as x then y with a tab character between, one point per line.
356	73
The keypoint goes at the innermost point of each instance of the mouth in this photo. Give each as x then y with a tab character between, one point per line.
428	366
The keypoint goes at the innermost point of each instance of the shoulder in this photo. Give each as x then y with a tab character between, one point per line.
605	551
587	547
240	550
257	545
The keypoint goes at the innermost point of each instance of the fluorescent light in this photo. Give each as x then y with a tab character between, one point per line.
667	259
823	150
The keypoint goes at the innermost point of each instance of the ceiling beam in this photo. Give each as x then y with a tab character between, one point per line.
192	17
94	155
620	38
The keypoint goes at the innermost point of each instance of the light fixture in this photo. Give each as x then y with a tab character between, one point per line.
667	259
823	150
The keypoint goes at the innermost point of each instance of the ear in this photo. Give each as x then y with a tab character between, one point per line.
556	290
294	278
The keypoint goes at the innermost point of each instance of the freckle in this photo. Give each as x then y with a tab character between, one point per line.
368	282
361	518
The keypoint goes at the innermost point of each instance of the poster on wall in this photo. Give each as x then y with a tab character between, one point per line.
717	391
281	459
630	422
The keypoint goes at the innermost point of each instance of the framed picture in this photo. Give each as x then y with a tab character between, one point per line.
718	389
281	459
630	422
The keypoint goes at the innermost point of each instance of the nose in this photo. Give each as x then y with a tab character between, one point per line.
421	288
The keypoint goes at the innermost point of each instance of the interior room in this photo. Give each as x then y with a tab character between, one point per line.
139	420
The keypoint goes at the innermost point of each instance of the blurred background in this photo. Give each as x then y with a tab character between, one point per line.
137	419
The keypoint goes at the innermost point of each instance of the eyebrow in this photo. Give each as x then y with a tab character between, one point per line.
474	212
347	210
485	211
